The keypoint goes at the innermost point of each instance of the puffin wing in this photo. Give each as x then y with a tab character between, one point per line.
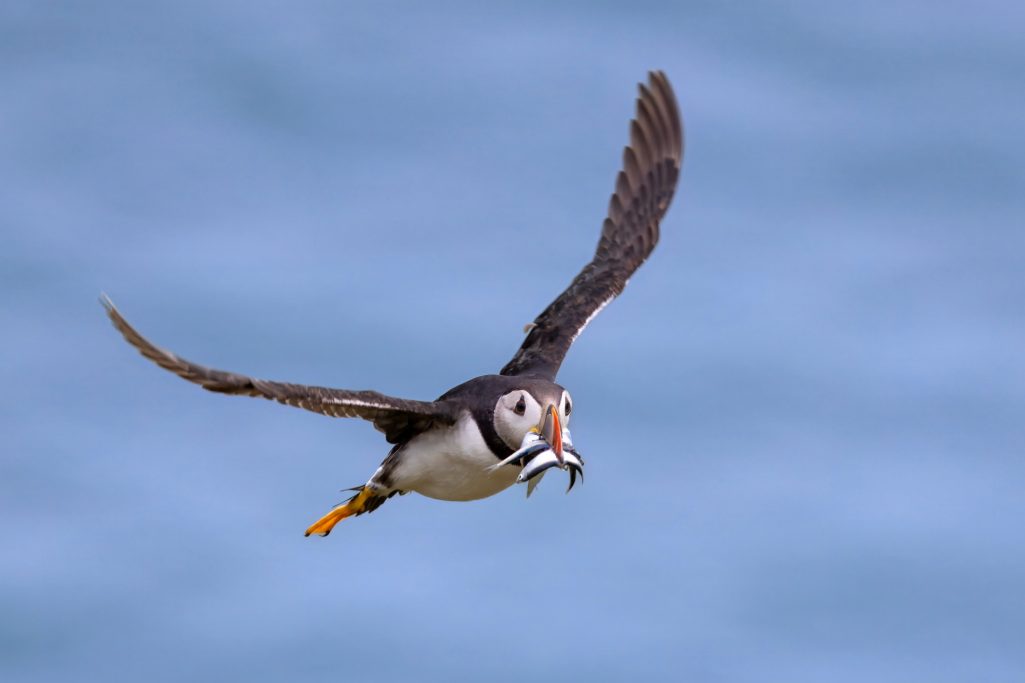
644	188
398	418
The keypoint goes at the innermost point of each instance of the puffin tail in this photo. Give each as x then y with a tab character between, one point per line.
365	500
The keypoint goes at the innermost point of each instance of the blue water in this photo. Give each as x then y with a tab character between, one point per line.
804	421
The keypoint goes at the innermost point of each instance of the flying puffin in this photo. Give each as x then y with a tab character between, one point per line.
495	430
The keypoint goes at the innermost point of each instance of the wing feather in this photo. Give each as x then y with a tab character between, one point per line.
643	191
398	418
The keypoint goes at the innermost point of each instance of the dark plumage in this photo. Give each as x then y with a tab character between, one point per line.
442	448
644	188
398	418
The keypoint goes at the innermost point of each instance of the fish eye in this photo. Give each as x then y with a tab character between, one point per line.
521	406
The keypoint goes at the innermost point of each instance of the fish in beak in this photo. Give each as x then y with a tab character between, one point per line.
545	446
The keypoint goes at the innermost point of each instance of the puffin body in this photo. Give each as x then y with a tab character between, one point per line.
486	434
446	464
451	462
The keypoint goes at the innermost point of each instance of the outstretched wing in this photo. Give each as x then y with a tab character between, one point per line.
398	418
644	188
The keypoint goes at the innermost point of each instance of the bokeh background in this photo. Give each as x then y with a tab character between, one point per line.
804	420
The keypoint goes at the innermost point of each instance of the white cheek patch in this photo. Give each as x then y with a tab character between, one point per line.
508	424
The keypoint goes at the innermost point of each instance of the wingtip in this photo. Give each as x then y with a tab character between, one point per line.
106	302
659	99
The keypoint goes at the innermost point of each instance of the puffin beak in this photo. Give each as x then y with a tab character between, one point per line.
551	430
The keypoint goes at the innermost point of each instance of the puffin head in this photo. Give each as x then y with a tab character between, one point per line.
543	410
533	421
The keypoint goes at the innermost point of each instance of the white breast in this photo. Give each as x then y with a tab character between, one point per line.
450	463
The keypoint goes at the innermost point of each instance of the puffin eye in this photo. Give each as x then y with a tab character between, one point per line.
569	407
521	406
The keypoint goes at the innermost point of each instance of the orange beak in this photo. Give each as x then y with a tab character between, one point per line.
551	430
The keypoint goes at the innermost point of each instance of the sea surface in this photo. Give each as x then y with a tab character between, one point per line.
804	421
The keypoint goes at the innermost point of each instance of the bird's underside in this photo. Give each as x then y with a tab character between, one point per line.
455	441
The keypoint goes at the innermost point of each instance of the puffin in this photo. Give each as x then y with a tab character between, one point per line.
493	431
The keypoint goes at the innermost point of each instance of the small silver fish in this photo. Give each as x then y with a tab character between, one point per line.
537	456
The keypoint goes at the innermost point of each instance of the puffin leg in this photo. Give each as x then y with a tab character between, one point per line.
366	500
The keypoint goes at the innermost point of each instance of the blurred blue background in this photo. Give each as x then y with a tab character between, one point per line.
804	420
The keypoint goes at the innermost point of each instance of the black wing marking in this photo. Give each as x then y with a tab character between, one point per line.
644	188
398	418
